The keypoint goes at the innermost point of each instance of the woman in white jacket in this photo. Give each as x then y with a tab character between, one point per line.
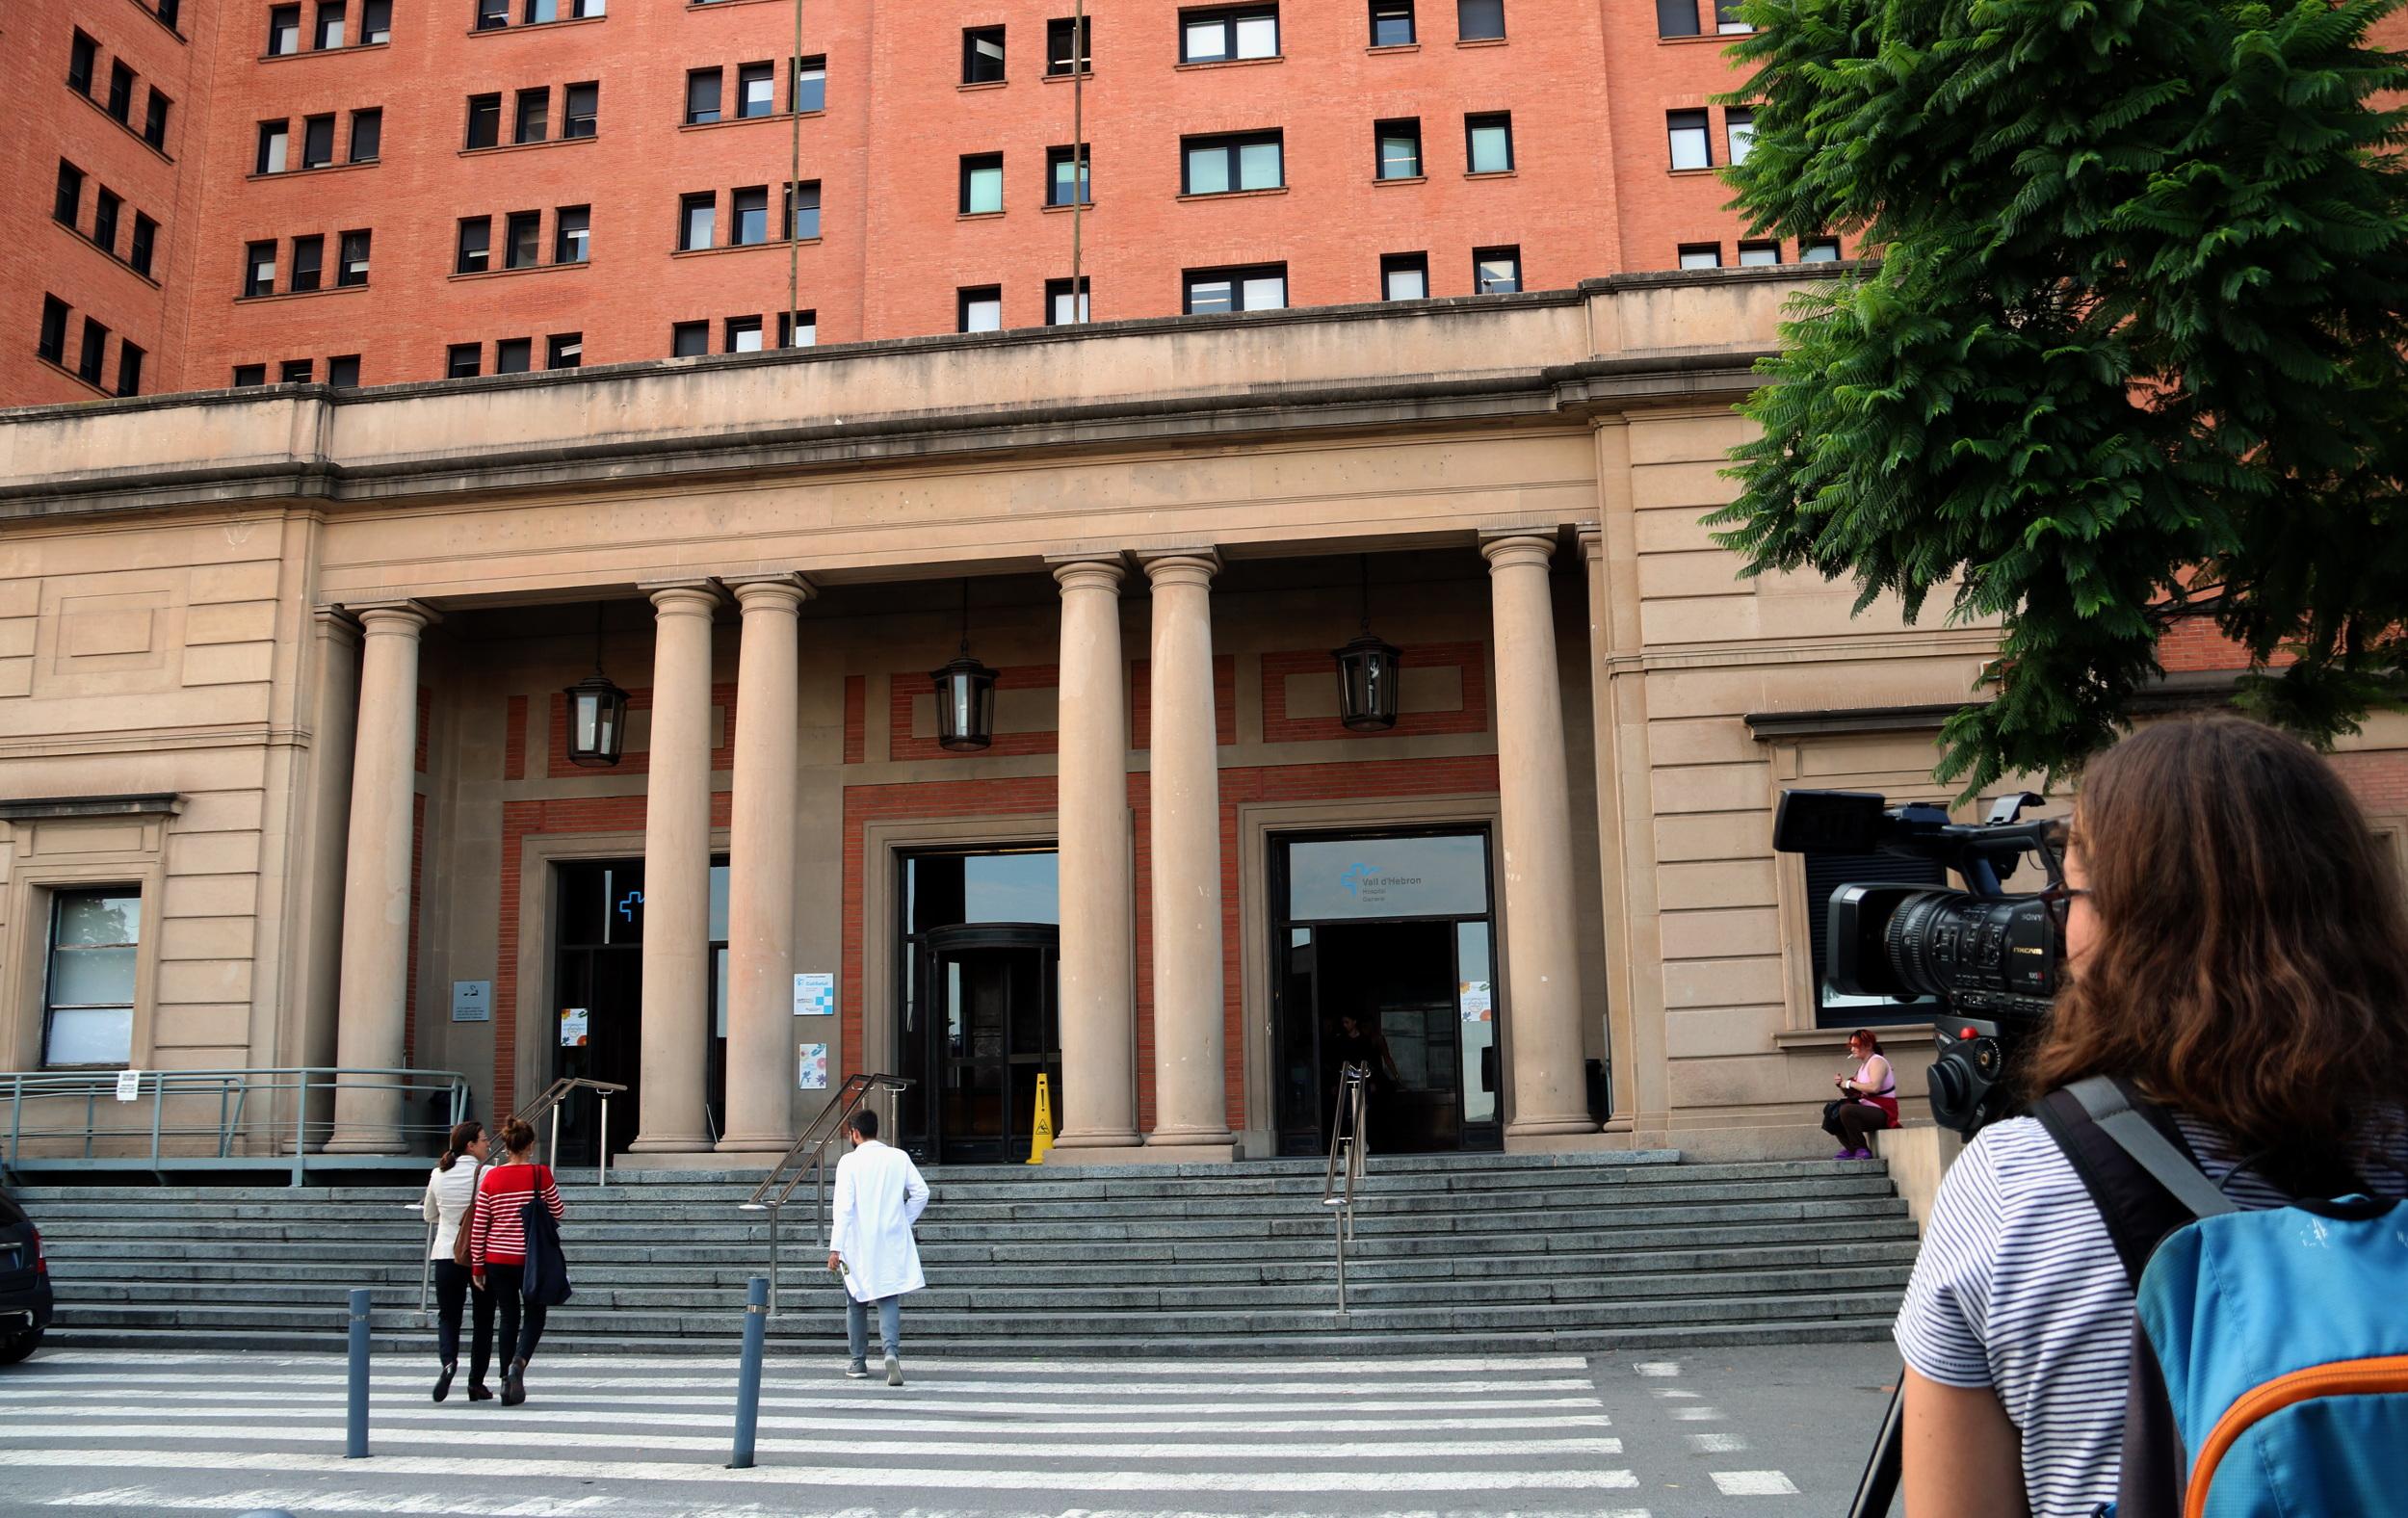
450	1192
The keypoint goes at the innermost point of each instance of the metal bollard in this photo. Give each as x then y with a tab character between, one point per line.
749	1377
355	1435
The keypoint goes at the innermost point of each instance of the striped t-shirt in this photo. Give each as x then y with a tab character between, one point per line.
2018	1288
499	1230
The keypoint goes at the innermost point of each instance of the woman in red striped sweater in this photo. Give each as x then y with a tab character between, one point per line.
497	1247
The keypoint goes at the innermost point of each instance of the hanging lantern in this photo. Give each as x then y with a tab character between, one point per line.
598	712
1368	670
965	696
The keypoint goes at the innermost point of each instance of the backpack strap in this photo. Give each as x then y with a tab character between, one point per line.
2133	1161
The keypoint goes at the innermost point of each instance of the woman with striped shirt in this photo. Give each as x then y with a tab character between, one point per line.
497	1247
2238	951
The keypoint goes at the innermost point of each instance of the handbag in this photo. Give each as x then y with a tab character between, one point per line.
460	1251
544	1281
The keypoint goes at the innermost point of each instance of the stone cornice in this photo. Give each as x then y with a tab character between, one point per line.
48	808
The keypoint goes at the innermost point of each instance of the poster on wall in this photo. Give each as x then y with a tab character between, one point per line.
815	993
811	1067
472	1000
574	1023
1478	1002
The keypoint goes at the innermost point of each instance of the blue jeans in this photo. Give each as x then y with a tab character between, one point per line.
889	1325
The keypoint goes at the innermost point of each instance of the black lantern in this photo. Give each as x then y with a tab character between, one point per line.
965	696
598	712
1367	668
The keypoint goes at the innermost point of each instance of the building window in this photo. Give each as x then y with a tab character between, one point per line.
155	119
275	137
702	96
129	369
1068	181
565	350
492	14
797	328
53	343
522	238
981	55
803	210
94	350
1819	250
1479	20
1399	149
1727	17
376	20
1060	309
1224	164
1759	255
756	90
104	220
88	995
367	135
1676	18
981	184
1404	277
138	252
259	269
810	84
283	31
750	206
343	371
83	56
484	121
1701	255
689	339
581	110
1740	127
743	335
1691	148
168	11
533	119
514	355
1217	37
317	140
1488	144
1496	271
475	247
978	308
250	376
295	370
351	265
330	24
696	215
1263	287
1392	23
1070	46
463	360
309	257
572	235
538	13
67	205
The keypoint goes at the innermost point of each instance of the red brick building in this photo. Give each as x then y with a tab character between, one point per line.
210	194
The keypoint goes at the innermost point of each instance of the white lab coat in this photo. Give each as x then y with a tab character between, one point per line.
879	1197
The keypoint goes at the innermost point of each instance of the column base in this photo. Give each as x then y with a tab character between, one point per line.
366	1140
672	1144
1100	1138
1191	1138
1550	1126
1148	1153
771	1144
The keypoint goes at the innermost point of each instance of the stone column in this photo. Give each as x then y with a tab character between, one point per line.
761	872
372	1023
318	920
677	875
1542	955
1190	1081
1099	1108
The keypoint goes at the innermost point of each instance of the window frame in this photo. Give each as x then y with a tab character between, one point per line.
371	118
789	323
814	68
531	116
83	61
375	22
1392	265
473	256
1751	251
794	209
275	148
1727	23
967	297
522	231
451	353
1057	290
1402	128
580	234
977	61
343	371
308	370
1696	124
735	330
981	178
317	140
122	80
343	261
1059	158
1820	250
254	286
1390	10
758	72
506	349
1238	277
92	356
1230	21
1465	9
247	376
680	331
740	208
278	32
485	118
130	358
576	125
66	198
702	203
1232	144
1676	11
1510	252
312	267
50	342
142	248
1687	251
331	20
1476	122
697	112
570	343
107	206
156	107
59	897
1738	134
1060	40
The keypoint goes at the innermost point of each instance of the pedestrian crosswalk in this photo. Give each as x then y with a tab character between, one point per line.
101	1432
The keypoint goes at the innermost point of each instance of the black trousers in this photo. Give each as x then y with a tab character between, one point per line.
1854	1124
452	1297
522	1320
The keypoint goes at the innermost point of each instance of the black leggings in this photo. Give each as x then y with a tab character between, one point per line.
502	1283
451	1299
1854	1124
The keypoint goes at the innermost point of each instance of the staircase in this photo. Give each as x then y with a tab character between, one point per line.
1474	1252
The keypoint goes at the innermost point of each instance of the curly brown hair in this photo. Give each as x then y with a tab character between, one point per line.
2251	962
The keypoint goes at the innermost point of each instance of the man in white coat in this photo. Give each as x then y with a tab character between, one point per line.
879	1197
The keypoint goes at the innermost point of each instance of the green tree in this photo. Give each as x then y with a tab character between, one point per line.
2133	348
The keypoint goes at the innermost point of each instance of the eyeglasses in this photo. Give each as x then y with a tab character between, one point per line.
2058	898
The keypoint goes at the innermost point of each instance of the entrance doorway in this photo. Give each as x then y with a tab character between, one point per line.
978	1019
1384	954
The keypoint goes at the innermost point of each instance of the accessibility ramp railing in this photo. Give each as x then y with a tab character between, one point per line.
809	1157
1350	1149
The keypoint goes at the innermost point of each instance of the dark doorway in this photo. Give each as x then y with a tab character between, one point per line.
976	1013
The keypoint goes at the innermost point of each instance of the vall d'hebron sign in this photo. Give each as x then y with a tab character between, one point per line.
1368	886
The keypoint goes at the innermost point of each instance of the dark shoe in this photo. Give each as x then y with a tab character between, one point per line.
894	1370
479	1392
857	1371
443	1382
514	1384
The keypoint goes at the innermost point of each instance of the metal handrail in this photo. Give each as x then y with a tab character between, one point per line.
216	1141
1349	1147
550	1102
817	1134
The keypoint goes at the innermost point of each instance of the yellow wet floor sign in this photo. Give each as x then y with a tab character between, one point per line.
1041	1131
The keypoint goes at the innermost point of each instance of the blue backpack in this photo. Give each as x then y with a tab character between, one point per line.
2270	1352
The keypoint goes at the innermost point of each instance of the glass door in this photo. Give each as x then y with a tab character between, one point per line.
993	1029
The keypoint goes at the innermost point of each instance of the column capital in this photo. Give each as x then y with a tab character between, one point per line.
789	589
1090	571
1517	545
1592	536
334	622
682	597
1180	565
403	616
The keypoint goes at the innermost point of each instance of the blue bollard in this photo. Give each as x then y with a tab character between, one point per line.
749	1377
355	1434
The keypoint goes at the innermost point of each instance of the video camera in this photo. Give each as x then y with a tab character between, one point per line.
1993	958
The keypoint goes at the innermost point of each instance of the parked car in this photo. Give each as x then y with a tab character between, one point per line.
24	1284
